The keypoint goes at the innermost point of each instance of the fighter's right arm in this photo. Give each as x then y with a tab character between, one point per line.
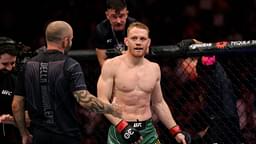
105	87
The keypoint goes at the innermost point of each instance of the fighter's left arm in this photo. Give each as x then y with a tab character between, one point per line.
163	112
159	105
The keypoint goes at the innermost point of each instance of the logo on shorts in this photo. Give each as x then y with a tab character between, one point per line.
137	125
128	134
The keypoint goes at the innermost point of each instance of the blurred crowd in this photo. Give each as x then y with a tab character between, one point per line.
206	20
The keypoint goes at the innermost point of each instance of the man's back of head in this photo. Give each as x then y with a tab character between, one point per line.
59	35
56	30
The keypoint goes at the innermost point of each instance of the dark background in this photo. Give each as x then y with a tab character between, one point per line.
169	21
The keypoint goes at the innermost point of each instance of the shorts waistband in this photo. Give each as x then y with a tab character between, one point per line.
140	124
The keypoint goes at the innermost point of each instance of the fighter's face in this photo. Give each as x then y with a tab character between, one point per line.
7	62
138	42
117	19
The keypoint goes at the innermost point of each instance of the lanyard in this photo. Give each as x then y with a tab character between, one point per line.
119	46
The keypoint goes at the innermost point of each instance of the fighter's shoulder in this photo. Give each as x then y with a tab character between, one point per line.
114	60
152	64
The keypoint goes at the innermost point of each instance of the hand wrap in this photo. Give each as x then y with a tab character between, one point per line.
175	130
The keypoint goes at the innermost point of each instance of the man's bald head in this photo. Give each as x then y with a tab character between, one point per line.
57	30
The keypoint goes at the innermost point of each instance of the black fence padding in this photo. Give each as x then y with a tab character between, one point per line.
214	104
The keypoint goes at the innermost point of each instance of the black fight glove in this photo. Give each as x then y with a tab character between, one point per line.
187	137
176	130
128	133
184	45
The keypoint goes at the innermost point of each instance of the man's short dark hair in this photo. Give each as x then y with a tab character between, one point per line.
8	45
116	4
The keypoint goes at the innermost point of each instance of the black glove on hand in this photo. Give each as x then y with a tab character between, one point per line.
187	137
184	44
128	133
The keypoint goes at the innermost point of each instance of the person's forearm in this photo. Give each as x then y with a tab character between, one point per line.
164	114
19	116
92	103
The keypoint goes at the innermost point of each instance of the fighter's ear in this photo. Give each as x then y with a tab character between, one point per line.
126	41
149	42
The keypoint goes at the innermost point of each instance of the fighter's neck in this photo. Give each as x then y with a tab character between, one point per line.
134	61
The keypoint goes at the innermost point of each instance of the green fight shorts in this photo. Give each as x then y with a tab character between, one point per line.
146	129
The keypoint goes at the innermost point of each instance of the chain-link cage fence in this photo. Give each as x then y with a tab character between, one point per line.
214	102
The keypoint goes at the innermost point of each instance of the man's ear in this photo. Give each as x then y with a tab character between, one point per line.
149	42
65	43
106	13
126	41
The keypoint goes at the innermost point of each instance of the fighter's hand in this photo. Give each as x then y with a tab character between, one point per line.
129	134
180	138
179	135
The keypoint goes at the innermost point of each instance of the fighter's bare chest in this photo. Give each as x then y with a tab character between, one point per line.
135	80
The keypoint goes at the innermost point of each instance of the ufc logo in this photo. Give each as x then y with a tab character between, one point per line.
6	92
136	125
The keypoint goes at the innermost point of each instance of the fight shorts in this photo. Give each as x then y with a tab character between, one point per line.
146	129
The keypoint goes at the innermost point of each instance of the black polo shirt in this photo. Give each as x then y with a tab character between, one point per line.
47	82
7	84
8	133
106	39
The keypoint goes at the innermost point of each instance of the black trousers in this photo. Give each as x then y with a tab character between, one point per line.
9	134
46	137
224	131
